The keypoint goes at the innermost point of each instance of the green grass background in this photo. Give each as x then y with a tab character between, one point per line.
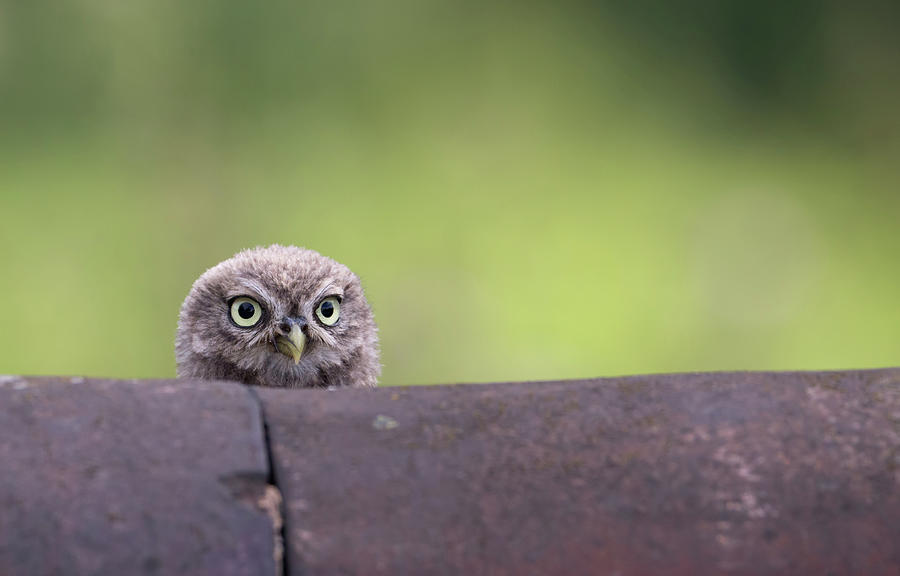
529	190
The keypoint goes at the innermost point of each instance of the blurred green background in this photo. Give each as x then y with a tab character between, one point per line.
529	190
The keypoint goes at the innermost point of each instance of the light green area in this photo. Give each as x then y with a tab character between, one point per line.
528	190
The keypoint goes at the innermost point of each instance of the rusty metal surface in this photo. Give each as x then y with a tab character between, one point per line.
130	478
686	474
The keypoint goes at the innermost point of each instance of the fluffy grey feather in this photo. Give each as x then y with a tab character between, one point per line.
290	286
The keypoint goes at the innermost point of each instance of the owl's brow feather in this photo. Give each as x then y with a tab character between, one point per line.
328	289
249	285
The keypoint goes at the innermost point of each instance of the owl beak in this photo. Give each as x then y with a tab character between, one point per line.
293	343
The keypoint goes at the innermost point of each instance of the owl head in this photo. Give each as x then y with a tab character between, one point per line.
278	316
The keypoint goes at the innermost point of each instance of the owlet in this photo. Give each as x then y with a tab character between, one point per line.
278	316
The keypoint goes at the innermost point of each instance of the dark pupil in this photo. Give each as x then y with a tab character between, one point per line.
327	309
246	310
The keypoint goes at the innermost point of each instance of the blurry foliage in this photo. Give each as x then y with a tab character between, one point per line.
528	189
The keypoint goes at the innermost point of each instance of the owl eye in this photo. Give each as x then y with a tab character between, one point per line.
245	312
329	311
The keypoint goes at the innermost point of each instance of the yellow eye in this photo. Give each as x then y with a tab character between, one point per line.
246	312
329	311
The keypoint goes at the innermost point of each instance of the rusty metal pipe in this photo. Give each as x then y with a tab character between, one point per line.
745	473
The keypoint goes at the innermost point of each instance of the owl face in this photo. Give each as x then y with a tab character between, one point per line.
278	316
